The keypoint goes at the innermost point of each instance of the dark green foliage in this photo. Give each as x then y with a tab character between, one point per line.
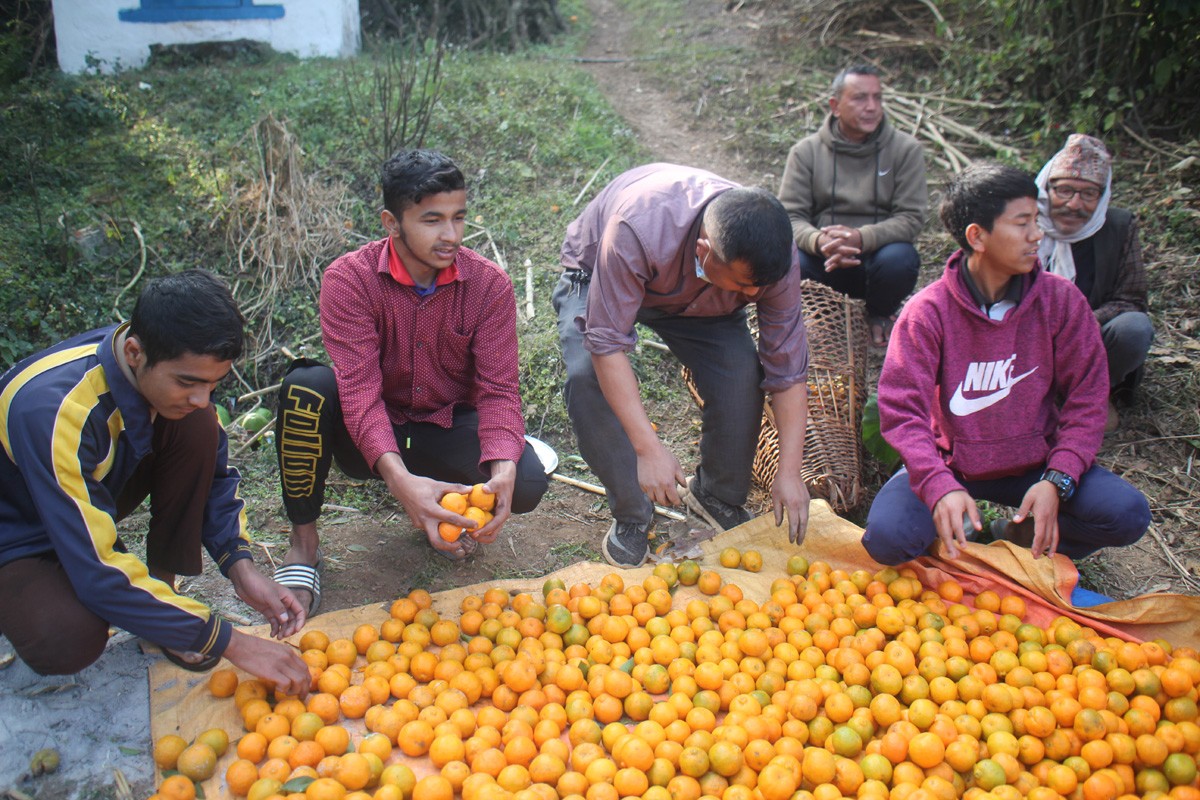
1054	65
26	38
1095	64
179	56
496	24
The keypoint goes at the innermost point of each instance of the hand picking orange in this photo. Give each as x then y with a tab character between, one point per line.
481	498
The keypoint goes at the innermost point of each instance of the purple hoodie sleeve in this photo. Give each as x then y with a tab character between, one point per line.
908	391
1081	378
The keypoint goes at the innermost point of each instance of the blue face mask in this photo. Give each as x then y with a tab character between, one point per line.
700	271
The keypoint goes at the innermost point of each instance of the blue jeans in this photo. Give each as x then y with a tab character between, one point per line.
1127	338
724	361
883	279
1106	511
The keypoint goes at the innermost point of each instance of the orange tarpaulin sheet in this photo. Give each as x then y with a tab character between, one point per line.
181	703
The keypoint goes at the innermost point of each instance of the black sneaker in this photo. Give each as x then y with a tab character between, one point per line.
714	511
626	544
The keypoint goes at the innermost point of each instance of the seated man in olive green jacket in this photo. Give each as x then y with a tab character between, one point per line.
855	192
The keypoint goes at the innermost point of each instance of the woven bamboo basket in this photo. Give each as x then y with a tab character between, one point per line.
837	391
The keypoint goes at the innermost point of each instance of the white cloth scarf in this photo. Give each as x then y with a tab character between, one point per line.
1055	248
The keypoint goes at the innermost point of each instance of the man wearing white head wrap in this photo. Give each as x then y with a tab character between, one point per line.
1097	246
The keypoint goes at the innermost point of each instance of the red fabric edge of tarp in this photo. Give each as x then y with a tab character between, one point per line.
1047	583
1038	609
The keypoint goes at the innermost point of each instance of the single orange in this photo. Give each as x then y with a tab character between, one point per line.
478	516
249	690
334	739
482	498
177	787
240	776
198	762
167	750
454	501
223	683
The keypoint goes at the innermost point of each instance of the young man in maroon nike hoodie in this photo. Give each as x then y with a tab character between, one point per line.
995	388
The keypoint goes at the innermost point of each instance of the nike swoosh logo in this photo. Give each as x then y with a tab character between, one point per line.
883	172
962	407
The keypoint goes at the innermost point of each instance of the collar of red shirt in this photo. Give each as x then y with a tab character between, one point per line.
400	274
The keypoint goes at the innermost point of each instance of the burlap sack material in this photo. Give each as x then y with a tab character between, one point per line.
181	703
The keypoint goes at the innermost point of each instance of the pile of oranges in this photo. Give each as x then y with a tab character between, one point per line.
840	685
477	505
194	761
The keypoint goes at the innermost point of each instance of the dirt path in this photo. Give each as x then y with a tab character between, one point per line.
666	122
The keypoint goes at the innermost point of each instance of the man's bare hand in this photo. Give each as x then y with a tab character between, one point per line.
276	603
789	494
660	475
841	246
279	664
948	517
1042	502
420	496
501	484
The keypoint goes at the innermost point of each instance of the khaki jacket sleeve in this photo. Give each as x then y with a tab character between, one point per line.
795	192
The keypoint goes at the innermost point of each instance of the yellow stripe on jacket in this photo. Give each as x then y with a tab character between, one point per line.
67	439
29	373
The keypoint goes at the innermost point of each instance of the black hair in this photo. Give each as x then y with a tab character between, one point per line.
978	196
839	80
188	312
751	225
409	176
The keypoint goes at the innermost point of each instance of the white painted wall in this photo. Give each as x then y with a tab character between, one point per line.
307	29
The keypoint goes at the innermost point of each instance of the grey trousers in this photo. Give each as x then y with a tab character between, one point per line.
723	359
1127	338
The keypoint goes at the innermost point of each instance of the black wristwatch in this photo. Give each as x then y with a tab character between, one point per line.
1062	481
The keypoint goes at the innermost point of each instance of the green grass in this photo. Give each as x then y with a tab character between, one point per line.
85	159
428	576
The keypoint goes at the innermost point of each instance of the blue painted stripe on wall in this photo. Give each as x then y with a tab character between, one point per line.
158	11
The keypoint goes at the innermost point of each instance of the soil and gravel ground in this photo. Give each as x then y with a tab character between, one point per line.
99	719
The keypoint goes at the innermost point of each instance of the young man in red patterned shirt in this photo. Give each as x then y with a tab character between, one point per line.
423	391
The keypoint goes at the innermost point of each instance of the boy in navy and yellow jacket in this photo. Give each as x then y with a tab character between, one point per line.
90	428
995	387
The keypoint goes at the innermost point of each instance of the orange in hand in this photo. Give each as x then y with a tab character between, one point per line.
481	498
478	516
454	501
476	505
